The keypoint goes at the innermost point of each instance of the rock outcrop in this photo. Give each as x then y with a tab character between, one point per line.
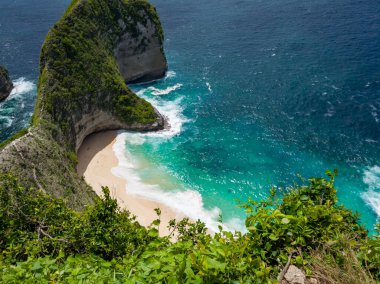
86	60
294	275
6	85
140	58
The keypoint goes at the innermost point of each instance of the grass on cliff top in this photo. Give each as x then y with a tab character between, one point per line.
43	241
17	135
78	70
4	72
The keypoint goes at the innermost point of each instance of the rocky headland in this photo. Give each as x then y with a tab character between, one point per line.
6	84
86	60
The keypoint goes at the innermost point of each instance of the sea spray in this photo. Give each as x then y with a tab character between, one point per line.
158	92
172	110
170	74
186	202
372	197
5	121
13	107
177	196
21	87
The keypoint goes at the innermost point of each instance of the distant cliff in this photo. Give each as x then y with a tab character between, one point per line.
6	85
86	60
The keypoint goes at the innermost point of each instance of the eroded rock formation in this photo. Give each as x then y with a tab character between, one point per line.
86	60
6	85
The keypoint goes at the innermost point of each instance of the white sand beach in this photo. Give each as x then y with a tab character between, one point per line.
96	159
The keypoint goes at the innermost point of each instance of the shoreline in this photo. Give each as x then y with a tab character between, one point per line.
96	159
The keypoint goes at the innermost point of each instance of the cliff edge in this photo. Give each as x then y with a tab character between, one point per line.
86	60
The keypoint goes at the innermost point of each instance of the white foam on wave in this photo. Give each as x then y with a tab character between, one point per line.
185	202
374	113
372	197
330	112
209	87
170	74
168	90
21	86
172	110
6	121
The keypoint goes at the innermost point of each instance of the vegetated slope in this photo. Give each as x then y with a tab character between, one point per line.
304	226
82	89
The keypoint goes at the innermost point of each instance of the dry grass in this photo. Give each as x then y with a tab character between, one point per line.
344	268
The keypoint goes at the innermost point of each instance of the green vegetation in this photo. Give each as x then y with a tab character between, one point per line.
81	90
43	241
4	73
78	68
22	132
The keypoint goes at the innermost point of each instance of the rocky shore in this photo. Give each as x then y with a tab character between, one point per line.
86	60
6	84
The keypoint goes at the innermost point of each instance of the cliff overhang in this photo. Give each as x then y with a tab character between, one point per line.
86	60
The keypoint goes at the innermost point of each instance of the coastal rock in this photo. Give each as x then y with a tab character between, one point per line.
294	275
312	281
6	85
140	58
86	60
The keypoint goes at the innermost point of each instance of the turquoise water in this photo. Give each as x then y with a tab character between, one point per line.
258	93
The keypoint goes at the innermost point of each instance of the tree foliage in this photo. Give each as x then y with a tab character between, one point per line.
43	241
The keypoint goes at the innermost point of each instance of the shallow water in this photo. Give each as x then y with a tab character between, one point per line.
258	92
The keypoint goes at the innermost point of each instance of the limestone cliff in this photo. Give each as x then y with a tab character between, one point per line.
86	60
140	58
6	85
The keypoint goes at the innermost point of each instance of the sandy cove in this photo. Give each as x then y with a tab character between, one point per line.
96	159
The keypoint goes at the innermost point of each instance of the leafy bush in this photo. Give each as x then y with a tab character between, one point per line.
78	71
42	240
32	224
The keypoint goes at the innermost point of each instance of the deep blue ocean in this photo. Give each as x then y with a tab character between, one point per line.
258	93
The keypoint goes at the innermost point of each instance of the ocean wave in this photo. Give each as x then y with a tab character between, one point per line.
372	197
21	86
172	110
209	87
5	121
330	112
170	74
374	113
168	90
14	105
186	202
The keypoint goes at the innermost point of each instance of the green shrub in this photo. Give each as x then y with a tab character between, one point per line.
42	240
14	137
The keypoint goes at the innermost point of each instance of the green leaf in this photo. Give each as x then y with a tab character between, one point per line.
156	222
36	266
273	237
285	221
304	198
153	233
299	260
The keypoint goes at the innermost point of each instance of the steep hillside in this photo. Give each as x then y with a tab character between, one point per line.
86	60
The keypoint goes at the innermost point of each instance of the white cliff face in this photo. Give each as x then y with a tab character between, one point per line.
140	58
